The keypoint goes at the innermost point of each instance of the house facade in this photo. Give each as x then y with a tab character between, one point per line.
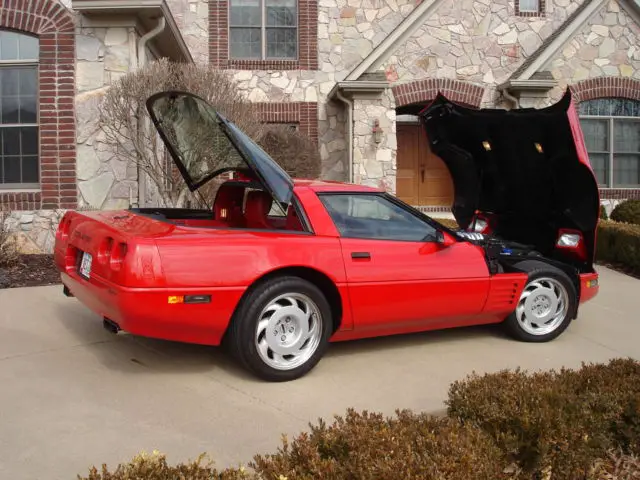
351	74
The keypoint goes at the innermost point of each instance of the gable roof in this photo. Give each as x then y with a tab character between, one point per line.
530	68
402	32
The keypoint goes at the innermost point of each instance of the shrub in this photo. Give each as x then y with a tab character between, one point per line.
155	467
616	466
369	446
294	151
603	213
627	211
619	243
557	420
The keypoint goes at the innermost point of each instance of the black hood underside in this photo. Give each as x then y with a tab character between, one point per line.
527	167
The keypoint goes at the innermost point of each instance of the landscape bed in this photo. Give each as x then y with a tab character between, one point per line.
560	425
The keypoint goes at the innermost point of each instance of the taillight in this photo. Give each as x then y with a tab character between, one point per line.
62	233
480	224
118	252
573	242
104	250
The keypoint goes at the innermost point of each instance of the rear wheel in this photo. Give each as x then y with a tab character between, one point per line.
281	329
546	305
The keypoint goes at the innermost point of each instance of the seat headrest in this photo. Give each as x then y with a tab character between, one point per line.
258	206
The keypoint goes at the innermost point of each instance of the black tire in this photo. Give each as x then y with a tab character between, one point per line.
241	335
536	271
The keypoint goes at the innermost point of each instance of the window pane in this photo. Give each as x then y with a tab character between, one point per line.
10	110
12	170
281	42
245	43
596	134
281	13
626	136
8	45
606	107
18	46
29	140
29	48
28	110
376	218
246	13
528	5
10	141
9	81
600	165
30	172
626	170
28	81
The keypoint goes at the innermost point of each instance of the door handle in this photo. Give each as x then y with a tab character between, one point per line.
422	174
360	255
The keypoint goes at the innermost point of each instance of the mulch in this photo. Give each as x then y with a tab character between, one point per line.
30	271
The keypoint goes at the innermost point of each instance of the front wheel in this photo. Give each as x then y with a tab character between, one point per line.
281	329
546	305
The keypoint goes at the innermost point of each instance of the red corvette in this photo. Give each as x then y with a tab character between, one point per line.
277	269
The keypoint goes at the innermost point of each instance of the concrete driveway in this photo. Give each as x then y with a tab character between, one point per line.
73	395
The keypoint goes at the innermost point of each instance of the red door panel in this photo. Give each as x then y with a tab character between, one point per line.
396	282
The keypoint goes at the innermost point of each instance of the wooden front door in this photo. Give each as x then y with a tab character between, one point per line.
422	178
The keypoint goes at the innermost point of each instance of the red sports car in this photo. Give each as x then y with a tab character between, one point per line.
279	268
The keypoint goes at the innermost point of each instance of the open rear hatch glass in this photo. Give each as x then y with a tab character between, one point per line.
204	144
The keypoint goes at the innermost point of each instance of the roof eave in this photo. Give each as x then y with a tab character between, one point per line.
359	87
540	85
169	42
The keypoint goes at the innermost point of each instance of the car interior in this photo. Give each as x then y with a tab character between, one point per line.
239	204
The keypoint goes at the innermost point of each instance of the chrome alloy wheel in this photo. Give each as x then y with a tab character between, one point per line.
543	306
289	331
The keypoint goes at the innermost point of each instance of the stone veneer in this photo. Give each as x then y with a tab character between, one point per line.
104	54
192	17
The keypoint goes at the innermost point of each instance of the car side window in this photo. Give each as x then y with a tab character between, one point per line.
375	217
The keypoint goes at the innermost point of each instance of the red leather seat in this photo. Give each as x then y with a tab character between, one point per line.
257	209
228	205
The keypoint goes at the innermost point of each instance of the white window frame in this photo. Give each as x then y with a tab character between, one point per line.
11	187
522	10
610	122
263	35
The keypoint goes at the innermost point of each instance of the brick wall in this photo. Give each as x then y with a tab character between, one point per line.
304	114
53	24
426	90
601	87
307	40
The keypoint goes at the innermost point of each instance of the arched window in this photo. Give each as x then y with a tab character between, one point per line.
19	145
611	128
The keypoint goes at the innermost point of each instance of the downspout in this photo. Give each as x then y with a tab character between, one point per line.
142	60
349	104
505	92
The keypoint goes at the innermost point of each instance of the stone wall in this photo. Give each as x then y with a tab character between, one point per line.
479	41
374	164
607	46
192	19
103	55
34	230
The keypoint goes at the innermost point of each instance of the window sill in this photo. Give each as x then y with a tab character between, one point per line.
251	64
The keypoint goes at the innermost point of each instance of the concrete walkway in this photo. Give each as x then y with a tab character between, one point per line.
73	395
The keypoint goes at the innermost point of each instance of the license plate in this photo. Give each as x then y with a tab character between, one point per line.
85	265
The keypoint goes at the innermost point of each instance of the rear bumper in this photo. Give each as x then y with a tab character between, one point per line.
148	313
589	286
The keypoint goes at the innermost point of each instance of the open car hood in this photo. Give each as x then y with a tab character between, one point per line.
204	144
529	167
